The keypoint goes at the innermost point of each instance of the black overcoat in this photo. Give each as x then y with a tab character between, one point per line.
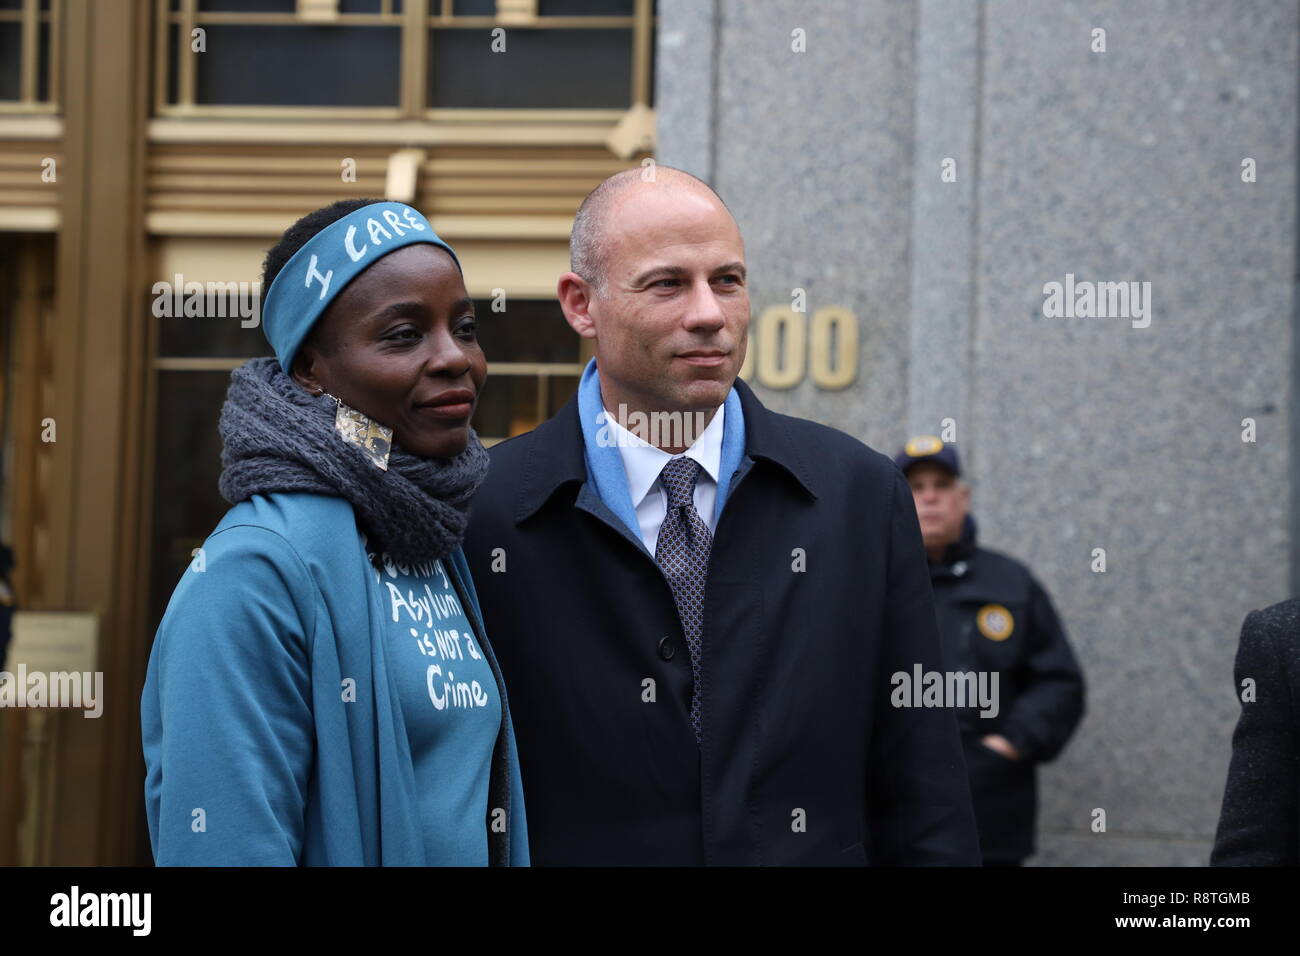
817	592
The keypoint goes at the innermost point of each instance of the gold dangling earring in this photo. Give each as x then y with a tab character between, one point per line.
357	428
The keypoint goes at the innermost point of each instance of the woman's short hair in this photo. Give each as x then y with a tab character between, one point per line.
295	237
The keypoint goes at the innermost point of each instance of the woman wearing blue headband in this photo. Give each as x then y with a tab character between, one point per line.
321	691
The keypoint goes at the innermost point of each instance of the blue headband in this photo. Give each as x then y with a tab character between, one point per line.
331	259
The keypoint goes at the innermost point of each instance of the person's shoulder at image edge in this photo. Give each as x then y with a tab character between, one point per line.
1259	822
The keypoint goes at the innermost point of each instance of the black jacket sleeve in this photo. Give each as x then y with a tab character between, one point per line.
920	811
1050	705
1261	801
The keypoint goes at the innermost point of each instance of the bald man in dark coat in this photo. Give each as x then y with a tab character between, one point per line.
704	640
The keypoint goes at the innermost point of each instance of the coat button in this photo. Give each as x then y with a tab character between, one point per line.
667	648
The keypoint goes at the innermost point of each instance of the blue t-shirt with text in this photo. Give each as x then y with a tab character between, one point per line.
449	703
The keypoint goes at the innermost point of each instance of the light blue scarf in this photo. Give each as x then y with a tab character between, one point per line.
605	463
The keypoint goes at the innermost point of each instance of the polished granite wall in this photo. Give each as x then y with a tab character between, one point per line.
1079	433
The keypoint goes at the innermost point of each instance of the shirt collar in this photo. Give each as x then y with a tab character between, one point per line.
644	462
553	452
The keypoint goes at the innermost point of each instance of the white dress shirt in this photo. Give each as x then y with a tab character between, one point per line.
644	462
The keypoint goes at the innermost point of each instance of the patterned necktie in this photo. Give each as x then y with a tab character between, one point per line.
682	552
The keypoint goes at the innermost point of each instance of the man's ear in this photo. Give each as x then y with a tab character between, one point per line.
575	295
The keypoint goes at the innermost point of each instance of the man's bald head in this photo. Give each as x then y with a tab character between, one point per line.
589	239
659	287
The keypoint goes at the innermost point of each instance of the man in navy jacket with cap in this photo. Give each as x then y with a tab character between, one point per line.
698	604
996	619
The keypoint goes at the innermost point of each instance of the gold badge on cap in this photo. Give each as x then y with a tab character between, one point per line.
995	622
923	445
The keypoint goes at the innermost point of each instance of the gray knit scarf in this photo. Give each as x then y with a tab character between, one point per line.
279	437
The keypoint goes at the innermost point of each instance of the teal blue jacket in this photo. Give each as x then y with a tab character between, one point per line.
254	754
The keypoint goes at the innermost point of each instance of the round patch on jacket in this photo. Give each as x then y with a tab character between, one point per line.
995	622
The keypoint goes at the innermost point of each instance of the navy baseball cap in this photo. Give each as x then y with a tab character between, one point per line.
931	449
